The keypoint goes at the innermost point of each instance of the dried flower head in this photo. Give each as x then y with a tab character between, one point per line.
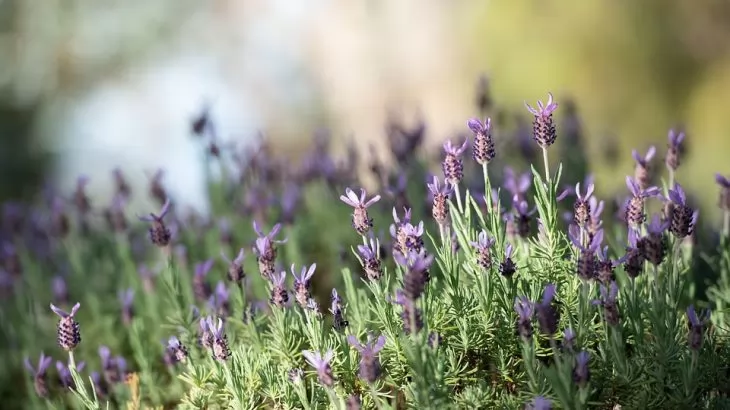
453	166
441	194
547	316
360	219
642	172
483	246
369	369
369	257
69	335
301	283
483	149
321	364
543	128
684	218
39	374
159	234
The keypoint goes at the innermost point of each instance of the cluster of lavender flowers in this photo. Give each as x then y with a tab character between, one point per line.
461	302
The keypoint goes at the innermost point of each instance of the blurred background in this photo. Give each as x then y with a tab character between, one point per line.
87	86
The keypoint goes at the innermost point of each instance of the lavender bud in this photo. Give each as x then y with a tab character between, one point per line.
568	340
674	149
586	263
684	218
635	215
219	300
361	222
39	374
339	321
301	284
369	368
411	315
321	364
539	403
441	194
483	245
547	315
696	327
483	149
370	259
235	268
507	268
69	335
581	371
279	294
610	305
452	165
177	350
265	250
100	385
724	199
654	245
642	172
582	206
543	128
159	234
525	311
201	288
417	275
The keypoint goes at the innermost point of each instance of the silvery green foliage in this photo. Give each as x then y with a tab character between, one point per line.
460	314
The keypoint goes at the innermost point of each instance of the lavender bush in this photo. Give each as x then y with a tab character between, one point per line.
475	288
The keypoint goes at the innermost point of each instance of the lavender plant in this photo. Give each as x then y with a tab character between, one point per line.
496	301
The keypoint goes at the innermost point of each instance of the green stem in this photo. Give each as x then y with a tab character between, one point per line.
458	199
71	360
726	224
547	165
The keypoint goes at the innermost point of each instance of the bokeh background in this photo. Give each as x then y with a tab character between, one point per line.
86	86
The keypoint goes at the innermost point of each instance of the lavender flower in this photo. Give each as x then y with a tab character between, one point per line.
411	315
81	200
120	182
338	312
696	327
279	294
159	234
547	315
235	267
654	245
301	283
101	387
539	403
483	245
39	374
69	334
594	223
569	340
205	333
369	257
518	222
441	194
321	364
114	214
525	311
201	288
586	263
724	200
543	128
582	206
581	371
684	218
265	249
220	349
517	186
507	267
674	149
360	219
114	368
127	299
369	368
605	266
177	350
610	305
483	143
453	166
417	275
219	300
642	172
64	373
634	258
635	215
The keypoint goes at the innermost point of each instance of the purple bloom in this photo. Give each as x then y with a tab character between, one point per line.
219	300
265	249
337	311
517	186
696	327
483	142
360	219
683	217
369	368
441	194
525	311
321	364
675	139
200	286
543	128
547	315
39	374
581	371
279	294
586	263
219	346
127	299
235	267
301	283
177	351
610	305
483	245
724	202
69	334
582	208
453	166
507	267
569	339
370	259
518	222
417	275
635	215
64	373
643	167
411	315
159	234
539	403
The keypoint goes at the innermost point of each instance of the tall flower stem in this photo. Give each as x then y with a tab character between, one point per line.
547	164
457	193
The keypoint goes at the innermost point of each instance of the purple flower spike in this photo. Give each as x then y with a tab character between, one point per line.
724	200
683	217
361	222
645	160
219	344
643	167
674	151
301	283
219	299
321	364
68	335
370	259
369	369
235	267
581	371
265	249
543	128
441	194
39	374
539	403
483	245
159	234
525	312
547	316
696	327
453	166
635	215
517	186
